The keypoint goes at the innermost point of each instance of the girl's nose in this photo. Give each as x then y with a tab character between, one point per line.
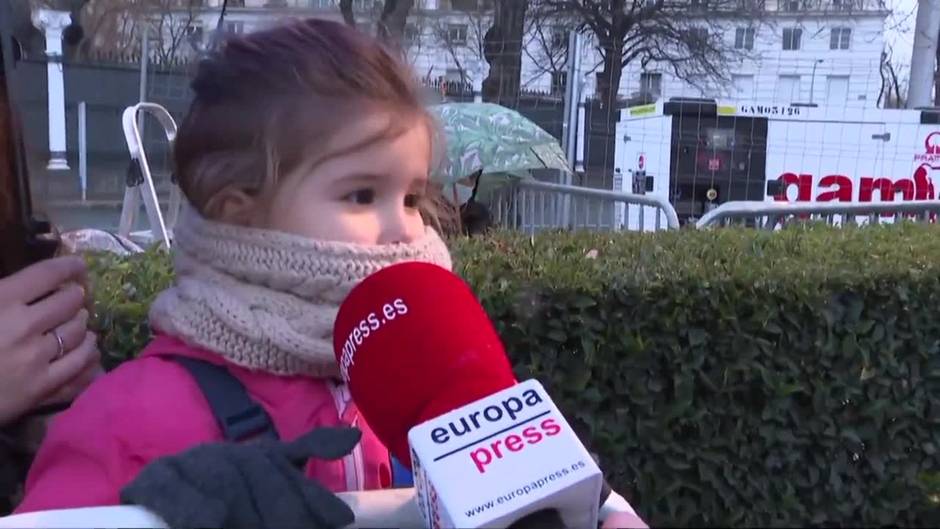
400	227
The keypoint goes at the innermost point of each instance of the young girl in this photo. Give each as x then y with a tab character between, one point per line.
305	160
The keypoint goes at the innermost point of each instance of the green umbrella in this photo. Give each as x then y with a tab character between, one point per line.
494	139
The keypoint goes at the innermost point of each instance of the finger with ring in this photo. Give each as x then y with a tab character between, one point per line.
61	344
69	336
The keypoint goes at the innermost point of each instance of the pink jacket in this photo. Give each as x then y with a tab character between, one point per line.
151	407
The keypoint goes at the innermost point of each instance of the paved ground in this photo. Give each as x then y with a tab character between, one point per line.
58	195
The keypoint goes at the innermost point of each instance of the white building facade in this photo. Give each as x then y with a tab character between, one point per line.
811	54
824	52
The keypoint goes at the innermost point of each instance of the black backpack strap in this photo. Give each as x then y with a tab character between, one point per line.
239	416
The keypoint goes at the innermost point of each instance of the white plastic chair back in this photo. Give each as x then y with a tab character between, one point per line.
128	516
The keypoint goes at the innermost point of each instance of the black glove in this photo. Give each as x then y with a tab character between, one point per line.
245	485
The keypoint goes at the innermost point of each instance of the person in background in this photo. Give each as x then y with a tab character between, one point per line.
47	354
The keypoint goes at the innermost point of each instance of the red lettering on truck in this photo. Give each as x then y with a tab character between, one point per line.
841	188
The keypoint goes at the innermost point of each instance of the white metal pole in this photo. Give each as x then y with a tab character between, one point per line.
924	55
572	99
579	152
83	148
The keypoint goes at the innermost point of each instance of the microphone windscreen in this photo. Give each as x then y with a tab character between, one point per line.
413	343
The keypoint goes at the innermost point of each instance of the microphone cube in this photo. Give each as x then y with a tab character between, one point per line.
495	460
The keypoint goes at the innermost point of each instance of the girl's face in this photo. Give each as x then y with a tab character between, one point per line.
368	195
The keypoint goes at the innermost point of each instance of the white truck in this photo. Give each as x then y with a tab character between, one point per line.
701	153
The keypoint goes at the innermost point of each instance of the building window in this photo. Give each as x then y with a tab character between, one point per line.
559	82
235	26
788	89
696	38
363	5
651	83
843	5
559	39
743	86
837	90
840	38
469	5
412	33
323	4
457	33
194	32
791	6
744	39
792	38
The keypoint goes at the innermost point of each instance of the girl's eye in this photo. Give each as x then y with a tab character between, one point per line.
362	197
413	201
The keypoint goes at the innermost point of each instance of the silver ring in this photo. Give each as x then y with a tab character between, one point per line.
61	343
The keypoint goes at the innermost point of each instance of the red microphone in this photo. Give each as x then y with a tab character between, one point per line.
430	376
413	343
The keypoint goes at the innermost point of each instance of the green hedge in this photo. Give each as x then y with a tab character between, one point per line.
123	288
725	377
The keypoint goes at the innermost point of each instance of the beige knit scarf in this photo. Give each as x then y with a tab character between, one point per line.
266	300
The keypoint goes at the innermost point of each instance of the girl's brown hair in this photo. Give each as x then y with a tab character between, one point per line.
269	102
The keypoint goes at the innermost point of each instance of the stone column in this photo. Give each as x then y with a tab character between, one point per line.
52	23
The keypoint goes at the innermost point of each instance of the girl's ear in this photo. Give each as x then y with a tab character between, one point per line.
234	206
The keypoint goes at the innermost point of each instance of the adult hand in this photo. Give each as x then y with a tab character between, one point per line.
623	520
47	354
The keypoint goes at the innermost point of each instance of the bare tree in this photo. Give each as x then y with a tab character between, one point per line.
172	29
503	51
117	26
389	24
891	94
546	44
414	38
685	36
463	36
346	8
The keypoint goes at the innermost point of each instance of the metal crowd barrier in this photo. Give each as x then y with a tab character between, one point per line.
771	215
532	206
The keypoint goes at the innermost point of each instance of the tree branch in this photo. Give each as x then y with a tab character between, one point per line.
391	25
346	8
587	10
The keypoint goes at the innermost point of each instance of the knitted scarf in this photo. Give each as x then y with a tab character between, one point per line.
267	300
